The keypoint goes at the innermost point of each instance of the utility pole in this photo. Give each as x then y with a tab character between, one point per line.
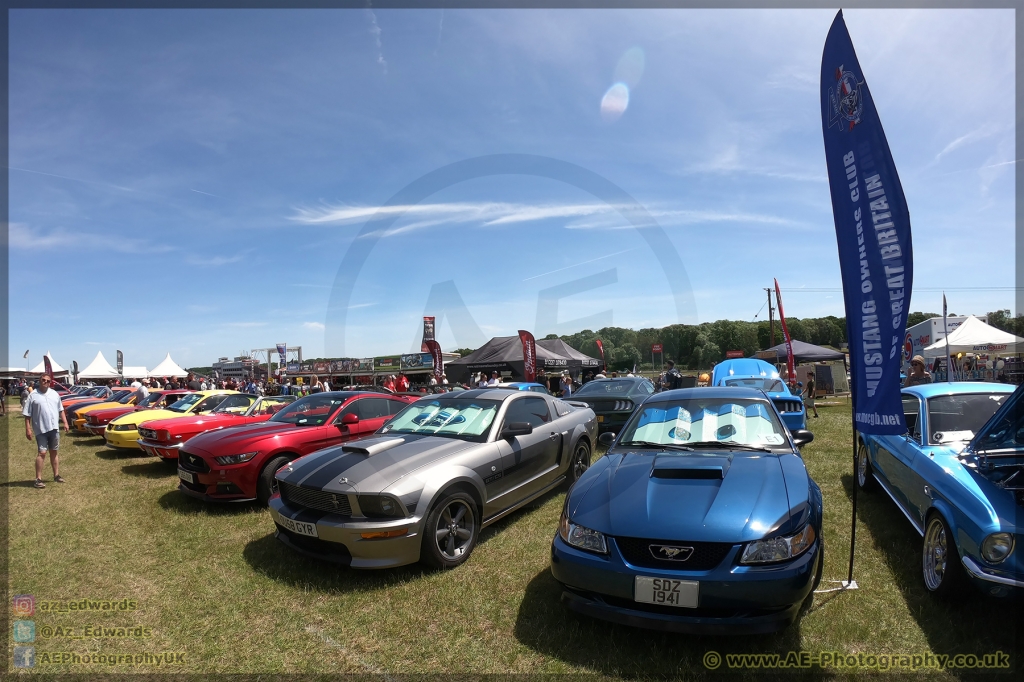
771	316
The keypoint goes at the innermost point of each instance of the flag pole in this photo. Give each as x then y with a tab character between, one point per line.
945	332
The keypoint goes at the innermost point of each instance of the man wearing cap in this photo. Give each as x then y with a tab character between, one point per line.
43	412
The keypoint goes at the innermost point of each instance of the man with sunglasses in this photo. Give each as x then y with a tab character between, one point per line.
43	411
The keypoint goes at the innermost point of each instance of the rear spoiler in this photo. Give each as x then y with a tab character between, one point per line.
578	404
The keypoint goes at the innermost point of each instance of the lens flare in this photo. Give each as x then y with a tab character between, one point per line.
615	102
630	67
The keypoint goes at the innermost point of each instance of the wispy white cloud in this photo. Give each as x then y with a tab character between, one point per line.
316	326
21	236
206	193
986	130
215	260
65	177
361	305
375	32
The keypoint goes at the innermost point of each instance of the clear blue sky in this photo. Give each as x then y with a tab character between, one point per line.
203	173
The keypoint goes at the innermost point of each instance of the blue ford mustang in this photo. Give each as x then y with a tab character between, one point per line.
958	477
759	374
701	518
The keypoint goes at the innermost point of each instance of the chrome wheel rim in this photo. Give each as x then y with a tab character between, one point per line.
936	553
862	466
455	528
581	462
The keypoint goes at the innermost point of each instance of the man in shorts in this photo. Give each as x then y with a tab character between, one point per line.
809	394
43	411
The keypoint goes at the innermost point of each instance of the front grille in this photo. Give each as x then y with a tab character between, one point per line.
789	405
193	463
148	434
705	555
309	498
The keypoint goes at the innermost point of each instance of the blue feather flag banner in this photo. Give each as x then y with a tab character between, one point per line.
873	233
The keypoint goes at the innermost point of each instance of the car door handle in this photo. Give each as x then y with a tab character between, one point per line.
553	436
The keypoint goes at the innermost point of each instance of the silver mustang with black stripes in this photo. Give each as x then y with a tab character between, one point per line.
425	484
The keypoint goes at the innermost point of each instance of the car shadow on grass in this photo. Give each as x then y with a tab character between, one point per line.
30	483
548	627
155	469
974	623
270	557
114	455
180	503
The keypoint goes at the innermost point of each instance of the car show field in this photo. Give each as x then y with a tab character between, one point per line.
211	583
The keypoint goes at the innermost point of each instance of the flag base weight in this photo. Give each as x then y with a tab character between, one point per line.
843	586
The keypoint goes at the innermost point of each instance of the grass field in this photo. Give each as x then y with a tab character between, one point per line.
213	583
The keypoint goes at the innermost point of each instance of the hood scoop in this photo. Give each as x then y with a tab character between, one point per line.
712	473
690	468
372	447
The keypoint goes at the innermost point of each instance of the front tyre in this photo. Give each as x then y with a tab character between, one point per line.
865	477
580	462
940	560
266	485
450	532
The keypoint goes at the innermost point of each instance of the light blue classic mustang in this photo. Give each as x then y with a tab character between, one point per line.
700	518
958	476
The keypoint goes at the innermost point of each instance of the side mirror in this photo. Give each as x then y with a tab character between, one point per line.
606	439
350	418
802	437
516	429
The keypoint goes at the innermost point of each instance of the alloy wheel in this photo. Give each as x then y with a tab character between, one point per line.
862	466
456	527
936	554
580	461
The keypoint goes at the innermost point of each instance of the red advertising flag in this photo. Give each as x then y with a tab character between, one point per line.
785	333
600	349
47	367
434	348
529	355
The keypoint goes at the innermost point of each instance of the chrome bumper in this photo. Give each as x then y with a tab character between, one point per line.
978	572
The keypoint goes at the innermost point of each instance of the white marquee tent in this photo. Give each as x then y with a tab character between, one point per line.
99	368
167	368
41	367
974	336
135	372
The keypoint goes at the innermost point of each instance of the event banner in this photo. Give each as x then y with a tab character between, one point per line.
790	364
873	234
600	349
428	333
417	361
120	362
293	366
74	370
282	350
529	355
389	362
47	367
435	353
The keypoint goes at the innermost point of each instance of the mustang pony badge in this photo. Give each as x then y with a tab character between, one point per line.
670	552
846	100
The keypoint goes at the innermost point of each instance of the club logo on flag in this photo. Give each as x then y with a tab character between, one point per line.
846	99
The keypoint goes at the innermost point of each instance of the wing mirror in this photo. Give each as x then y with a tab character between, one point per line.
516	429
606	439
349	419
802	437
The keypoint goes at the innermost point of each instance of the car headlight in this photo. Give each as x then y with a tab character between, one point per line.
779	548
997	547
236	459
581	537
381	507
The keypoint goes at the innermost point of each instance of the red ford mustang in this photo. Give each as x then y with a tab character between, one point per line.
164	437
239	463
96	422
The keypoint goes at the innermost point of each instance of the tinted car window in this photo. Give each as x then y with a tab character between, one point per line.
533	411
395	406
372	408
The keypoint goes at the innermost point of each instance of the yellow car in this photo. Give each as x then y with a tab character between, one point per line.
81	416
123	432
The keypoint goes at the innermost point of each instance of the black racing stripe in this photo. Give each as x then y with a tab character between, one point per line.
304	466
336	467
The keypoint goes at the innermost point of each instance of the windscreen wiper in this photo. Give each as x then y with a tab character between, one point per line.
725	444
667	446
